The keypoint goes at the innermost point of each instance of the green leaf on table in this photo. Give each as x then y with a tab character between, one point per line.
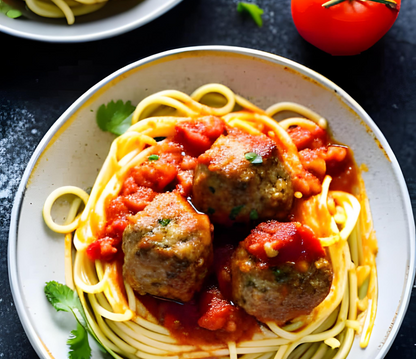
252	9
9	11
79	347
115	117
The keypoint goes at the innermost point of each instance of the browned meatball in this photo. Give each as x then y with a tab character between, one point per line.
240	178
168	249
274	288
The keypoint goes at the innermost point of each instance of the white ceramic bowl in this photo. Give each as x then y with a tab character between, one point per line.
73	150
115	18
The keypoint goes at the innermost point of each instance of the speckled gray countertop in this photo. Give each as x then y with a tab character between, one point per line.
39	81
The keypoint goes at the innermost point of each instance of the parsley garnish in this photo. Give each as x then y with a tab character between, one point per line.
115	117
153	157
254	215
253	157
65	299
79	347
7	10
254	11
235	211
164	222
212	189
210	210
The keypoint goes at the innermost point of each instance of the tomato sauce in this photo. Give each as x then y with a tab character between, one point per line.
208	319
211	317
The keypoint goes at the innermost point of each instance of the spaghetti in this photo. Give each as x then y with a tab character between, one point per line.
67	9
123	320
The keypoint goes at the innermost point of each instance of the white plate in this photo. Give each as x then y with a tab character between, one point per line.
74	148
115	18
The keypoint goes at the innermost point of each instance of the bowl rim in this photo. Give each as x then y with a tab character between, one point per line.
169	4
15	214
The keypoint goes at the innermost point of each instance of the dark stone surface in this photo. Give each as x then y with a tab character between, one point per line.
39	81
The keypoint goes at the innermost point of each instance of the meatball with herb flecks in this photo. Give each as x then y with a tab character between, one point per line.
168	249
240	179
280	271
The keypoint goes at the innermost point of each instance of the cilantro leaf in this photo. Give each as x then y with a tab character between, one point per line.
254	11
115	117
79	348
65	299
253	157
235	211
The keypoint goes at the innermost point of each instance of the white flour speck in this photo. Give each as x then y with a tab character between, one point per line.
19	138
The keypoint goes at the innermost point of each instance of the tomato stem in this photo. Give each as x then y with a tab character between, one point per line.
390	3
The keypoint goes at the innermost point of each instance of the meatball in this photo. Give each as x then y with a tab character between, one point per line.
240	178
279	272
168	249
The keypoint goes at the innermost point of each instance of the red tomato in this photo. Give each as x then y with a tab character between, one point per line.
347	28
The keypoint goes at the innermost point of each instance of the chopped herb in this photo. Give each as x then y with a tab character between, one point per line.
252	9
280	275
210	210
253	157
158	139
153	157
115	117
235	211
164	222
212	189
254	215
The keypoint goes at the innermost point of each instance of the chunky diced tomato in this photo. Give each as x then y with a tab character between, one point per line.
335	154
129	186
102	249
138	200
314	161
292	241
155	175
216	310
189	163
185	181
304	138
116	208
198	135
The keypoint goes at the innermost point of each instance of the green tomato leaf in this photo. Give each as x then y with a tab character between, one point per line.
79	347
252	9
253	157
115	117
